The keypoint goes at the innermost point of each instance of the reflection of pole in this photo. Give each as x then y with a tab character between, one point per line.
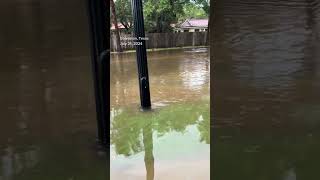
141	53
148	149
97	12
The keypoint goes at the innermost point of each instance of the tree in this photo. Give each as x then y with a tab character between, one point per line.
159	14
124	14
191	10
204	4
115	22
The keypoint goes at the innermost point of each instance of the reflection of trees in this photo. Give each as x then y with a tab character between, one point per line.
125	135
127	127
132	132
203	128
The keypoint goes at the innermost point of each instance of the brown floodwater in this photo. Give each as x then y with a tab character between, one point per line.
173	140
176	75
266	84
48	123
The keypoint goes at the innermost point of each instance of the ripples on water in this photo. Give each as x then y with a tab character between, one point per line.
176	75
172	141
266	89
48	123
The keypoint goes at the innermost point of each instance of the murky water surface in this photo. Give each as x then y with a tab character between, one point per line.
172	141
266	84
48	124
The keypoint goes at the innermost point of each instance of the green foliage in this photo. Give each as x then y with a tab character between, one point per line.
191	10
124	13
159	14
204	4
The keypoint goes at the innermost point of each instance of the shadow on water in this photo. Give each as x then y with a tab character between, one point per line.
266	89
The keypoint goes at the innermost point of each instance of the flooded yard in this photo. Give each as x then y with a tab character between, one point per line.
173	140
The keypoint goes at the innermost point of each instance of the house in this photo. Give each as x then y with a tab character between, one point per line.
192	25
120	27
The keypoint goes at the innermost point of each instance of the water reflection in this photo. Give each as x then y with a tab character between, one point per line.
157	135
172	141
148	151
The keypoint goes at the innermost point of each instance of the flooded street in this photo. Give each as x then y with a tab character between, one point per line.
266	84
173	140
48	124
265	99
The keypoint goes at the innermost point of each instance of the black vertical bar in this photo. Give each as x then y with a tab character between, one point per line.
105	93
141	54
99	31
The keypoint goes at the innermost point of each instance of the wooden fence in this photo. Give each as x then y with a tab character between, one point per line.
163	40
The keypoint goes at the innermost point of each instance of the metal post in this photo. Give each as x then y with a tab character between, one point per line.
99	31
141	54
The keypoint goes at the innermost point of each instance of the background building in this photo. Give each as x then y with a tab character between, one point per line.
192	25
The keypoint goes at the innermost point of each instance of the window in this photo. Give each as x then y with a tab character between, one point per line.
196	30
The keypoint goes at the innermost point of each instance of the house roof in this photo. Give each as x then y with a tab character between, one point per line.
190	23
120	26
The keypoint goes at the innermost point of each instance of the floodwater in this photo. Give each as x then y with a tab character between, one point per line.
266	84
173	140
48	124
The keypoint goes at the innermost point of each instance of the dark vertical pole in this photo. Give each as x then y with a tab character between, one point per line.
141	52
99	31
105	94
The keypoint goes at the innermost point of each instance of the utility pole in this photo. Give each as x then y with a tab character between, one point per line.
141	53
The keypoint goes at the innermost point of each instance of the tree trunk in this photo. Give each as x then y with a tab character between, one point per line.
115	23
